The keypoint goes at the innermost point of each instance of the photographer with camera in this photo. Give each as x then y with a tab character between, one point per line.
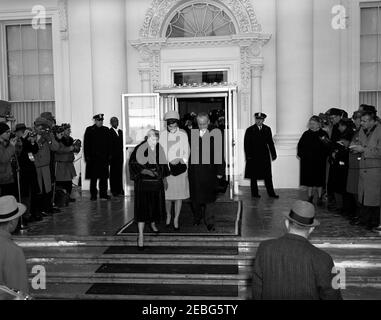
64	158
46	144
26	151
7	156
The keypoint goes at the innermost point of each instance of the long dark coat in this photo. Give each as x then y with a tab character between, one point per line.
97	149
353	169
369	192
116	161
313	153
202	175
259	151
149	206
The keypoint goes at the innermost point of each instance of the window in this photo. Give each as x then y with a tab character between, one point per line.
200	20
29	70
200	77
370	55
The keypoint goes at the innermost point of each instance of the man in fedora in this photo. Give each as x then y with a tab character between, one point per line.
259	151
290	267
13	271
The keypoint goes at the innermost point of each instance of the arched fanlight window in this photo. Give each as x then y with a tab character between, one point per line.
200	20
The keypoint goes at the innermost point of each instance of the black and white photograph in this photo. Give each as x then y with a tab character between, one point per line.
190	156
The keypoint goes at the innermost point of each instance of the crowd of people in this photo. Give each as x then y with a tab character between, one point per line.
340	159
37	163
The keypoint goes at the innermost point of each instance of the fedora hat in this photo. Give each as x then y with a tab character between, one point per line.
10	209
303	214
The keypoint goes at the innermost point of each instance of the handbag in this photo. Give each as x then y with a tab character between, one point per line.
178	168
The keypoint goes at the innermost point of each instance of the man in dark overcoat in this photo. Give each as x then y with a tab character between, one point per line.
290	267
205	166
116	162
259	151
97	150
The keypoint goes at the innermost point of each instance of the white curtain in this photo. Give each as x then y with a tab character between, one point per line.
30	66
27	112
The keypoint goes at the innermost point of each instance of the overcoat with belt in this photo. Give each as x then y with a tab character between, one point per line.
369	190
42	162
64	159
259	151
97	152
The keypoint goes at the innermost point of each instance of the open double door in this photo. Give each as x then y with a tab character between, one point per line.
141	112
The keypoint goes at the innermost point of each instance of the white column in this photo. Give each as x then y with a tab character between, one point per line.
294	65
294	43
256	89
108	44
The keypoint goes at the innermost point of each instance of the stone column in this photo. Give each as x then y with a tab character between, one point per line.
294	66
256	89
294	43
109	61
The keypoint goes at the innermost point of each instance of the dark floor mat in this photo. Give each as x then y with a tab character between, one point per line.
220	250
175	290
168	268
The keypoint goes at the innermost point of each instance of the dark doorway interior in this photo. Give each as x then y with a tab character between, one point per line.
214	106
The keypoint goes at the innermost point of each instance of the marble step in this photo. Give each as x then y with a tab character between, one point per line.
78	291
71	240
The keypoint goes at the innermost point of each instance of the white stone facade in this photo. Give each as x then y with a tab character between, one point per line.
286	58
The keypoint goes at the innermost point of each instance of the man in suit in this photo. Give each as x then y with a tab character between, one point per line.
290	267
13	270
259	146
97	149
205	166
116	162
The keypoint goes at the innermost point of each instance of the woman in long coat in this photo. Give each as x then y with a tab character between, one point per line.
64	158
175	144
148	169
313	152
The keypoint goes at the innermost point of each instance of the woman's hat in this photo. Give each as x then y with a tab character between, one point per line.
172	114
40	121
10	209
303	214
20	126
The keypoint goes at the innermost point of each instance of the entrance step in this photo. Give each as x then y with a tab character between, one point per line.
188	268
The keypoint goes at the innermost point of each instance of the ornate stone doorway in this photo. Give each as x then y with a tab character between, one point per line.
202	34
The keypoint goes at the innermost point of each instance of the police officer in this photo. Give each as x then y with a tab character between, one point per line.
259	146
97	151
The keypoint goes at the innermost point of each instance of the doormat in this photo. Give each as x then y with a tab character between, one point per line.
228	217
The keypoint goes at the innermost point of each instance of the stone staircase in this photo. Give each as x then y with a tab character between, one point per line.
176	267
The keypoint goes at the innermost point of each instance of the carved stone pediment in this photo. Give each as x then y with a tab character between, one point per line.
249	37
159	10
